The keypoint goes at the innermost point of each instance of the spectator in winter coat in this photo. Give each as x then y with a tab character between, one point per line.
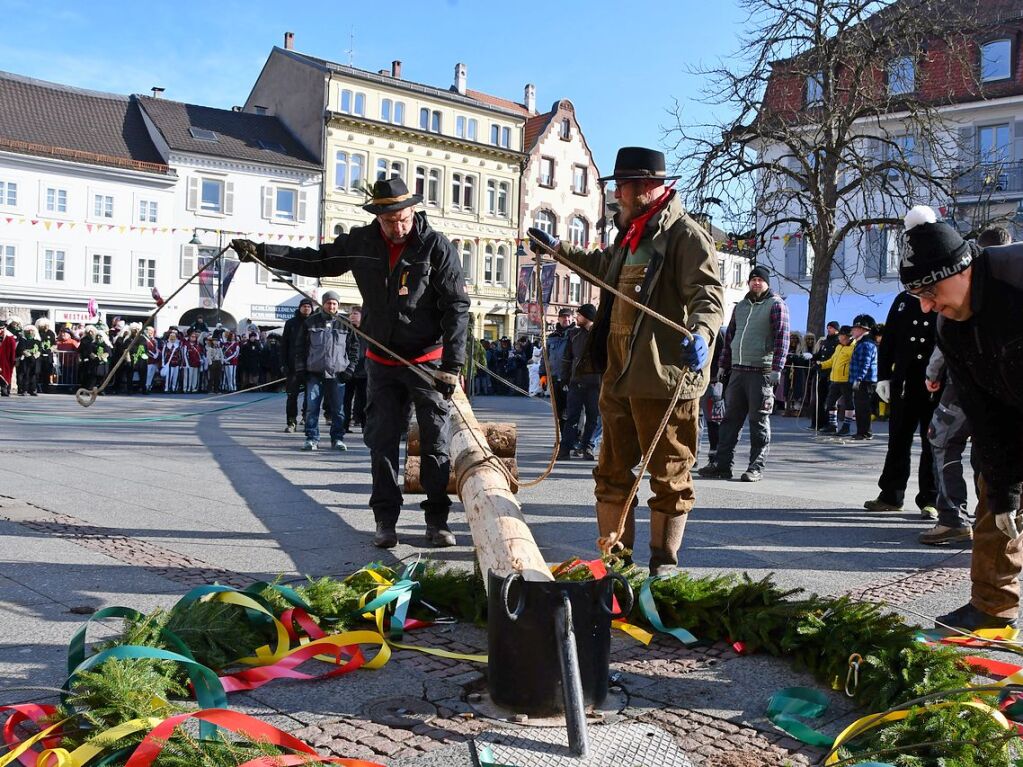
331	354
583	388
8	359
249	360
29	351
215	361
294	329
88	361
191	358
231	352
557	343
839	404
152	358
171	361
753	356
48	341
863	373
355	390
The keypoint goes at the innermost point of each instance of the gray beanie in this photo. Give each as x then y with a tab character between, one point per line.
330	294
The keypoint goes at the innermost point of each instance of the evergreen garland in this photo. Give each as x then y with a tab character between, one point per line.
816	633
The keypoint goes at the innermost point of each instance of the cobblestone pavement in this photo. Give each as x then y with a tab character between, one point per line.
94	513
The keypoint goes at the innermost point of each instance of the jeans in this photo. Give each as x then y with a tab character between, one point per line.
329	392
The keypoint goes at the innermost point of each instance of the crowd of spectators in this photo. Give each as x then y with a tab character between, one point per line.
195	359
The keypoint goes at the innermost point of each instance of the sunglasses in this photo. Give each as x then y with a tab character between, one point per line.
924	293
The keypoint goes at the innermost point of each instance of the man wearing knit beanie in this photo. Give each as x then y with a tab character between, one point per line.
979	297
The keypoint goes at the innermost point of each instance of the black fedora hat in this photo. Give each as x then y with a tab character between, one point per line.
636	162
389	195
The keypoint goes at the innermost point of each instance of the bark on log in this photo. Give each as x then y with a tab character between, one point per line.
504	543
502	438
413	485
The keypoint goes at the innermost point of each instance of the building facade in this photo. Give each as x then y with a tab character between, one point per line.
83	214
977	94
239	175
458	148
560	195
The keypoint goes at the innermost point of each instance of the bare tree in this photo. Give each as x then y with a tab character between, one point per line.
835	126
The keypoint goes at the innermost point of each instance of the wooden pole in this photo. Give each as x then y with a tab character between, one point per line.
501	437
504	543
414	485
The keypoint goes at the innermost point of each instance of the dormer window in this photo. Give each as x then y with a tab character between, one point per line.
902	76
815	89
996	60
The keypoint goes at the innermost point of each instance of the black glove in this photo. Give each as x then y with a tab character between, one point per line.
344	376
246	250
445	383
549	241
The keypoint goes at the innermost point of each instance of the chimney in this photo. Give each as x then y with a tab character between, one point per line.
237	109
460	77
531	98
396	69
383	72
289	41
157	90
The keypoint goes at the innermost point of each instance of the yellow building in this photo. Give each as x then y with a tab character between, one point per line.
460	149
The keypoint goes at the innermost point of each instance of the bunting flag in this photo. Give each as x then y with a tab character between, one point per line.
228	269
90	227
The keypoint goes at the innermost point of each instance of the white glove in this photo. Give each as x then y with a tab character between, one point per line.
1011	524
775	377
884	390
807	356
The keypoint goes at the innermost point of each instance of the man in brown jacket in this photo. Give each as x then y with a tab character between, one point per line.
668	262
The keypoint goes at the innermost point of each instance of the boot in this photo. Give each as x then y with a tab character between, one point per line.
665	541
607	522
386	537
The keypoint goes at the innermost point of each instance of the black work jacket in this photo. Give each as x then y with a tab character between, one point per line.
906	347
417	307
985	358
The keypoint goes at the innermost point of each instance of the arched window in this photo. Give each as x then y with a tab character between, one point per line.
339	229
502	198
545	220
488	264
579	231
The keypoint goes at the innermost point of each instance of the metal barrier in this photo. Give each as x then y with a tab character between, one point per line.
65	365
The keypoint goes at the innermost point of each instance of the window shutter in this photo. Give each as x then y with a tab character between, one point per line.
968	146
301	207
192	198
268	202
189	259
228	198
872	256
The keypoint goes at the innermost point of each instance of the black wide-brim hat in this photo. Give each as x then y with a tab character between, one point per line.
389	195
638	163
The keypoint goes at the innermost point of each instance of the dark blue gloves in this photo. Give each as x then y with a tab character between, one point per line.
694	352
542	237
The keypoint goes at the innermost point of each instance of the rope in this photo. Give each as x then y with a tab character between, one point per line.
85	397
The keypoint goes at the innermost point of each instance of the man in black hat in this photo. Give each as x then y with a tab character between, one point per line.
291	345
414	304
863	374
583	389
668	262
827	348
979	297
752	358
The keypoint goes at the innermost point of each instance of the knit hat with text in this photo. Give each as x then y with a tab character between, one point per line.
932	250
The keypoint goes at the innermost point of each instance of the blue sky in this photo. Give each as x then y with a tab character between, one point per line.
621	63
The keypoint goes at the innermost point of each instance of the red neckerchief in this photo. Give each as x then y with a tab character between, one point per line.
394	251
634	233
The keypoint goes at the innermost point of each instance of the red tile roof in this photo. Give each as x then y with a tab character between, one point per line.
494	101
535	126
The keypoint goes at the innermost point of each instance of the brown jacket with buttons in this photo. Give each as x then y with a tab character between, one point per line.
681	283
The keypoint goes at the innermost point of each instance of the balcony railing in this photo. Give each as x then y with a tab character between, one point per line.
993	179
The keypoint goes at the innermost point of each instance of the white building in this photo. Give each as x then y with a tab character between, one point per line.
240	175
86	204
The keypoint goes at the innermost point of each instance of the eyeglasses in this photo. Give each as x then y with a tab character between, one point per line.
925	293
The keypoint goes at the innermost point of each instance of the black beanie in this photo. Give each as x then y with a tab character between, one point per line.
589	311
306	302
761	272
933	250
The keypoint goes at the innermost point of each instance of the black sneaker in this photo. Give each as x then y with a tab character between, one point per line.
588	455
713	471
752	475
969	618
386	537
831	428
862	437
844	431
440	536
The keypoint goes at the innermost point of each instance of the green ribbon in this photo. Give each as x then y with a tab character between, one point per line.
791	702
76	648
486	757
401	594
648	607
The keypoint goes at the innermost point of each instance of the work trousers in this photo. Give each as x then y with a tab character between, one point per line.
216	377
581	398
948	435
713	428
355	403
749	394
391	390
28	375
995	564
908	415
294	386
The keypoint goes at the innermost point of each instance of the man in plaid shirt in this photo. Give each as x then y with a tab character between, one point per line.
752	358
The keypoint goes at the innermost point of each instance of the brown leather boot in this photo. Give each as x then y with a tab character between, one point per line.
607	522
665	541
